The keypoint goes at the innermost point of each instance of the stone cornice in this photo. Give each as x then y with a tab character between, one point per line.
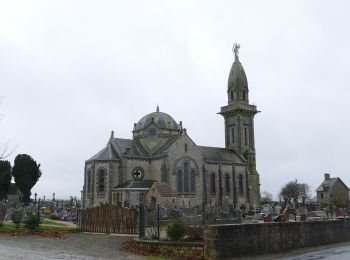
235	107
226	163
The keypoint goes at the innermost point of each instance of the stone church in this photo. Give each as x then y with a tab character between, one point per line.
161	152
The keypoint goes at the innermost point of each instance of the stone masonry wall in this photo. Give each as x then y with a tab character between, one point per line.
173	250
226	241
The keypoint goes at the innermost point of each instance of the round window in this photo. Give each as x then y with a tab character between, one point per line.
138	173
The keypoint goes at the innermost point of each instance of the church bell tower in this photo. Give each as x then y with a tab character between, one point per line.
239	122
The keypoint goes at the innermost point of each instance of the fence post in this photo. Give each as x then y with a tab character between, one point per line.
142	222
158	222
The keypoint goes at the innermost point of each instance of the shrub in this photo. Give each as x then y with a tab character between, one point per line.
32	220
17	217
176	230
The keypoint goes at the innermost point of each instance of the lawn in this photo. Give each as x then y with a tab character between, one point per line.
50	222
7	227
44	225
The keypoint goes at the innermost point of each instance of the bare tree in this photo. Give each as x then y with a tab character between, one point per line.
299	192
4	146
266	197
304	192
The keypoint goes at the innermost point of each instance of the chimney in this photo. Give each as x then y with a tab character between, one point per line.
327	176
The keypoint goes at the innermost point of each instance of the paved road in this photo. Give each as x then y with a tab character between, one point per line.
80	246
330	253
327	252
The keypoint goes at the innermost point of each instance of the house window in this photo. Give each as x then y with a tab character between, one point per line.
101	180
212	183
240	183
227	183
186	179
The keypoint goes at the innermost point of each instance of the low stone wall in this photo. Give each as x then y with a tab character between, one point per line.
227	241
175	250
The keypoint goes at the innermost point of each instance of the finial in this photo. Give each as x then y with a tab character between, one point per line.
235	49
157	108
112	134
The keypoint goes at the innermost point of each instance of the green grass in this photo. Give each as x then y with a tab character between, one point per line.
50	222
9	227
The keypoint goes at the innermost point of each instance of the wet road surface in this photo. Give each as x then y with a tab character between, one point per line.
339	251
80	246
332	253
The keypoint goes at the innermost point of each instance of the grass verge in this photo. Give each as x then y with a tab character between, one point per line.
10	227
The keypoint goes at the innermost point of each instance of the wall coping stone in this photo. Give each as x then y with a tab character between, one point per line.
170	243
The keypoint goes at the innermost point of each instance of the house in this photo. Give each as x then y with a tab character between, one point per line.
332	191
162	194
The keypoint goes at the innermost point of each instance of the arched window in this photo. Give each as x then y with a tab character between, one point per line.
193	181
179	181
243	94
232	135
231	95
89	181
186	178
212	183
227	183
101	181
240	183
246	135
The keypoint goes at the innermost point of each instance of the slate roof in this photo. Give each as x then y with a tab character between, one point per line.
106	153
237	78
13	190
327	185
220	154
163	120
135	185
127	143
165	190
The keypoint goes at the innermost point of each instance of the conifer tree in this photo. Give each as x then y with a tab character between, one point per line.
26	173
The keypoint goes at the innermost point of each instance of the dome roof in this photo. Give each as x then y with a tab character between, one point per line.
237	78
163	120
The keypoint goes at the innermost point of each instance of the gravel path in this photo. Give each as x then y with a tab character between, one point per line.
80	246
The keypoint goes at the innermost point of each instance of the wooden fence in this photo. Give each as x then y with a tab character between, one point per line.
109	219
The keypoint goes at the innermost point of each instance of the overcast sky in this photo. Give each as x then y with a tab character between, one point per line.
72	71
